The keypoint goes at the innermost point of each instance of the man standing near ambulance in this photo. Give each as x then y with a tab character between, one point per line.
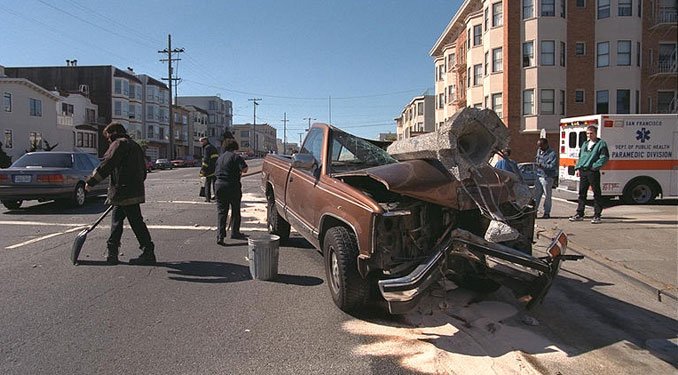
593	155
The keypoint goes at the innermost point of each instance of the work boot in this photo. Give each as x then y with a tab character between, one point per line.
112	255
147	258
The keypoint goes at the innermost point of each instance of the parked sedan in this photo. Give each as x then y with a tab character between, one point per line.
45	176
163	164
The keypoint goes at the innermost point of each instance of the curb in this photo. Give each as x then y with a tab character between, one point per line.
657	288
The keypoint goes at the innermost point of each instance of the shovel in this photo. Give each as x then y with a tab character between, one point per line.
82	236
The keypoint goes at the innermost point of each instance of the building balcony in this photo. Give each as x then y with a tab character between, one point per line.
65	120
665	16
664	67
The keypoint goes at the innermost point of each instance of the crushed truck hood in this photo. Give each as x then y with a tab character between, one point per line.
428	180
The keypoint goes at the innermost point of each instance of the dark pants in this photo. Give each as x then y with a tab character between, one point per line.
209	186
136	221
590	178
228	197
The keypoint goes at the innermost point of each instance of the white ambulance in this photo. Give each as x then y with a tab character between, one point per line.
643	162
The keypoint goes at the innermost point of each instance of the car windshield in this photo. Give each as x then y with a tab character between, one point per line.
47	160
352	153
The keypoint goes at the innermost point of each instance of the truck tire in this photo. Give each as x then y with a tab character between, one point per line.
640	191
276	224
12	205
79	195
340	249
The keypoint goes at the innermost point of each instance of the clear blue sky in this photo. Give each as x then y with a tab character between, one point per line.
371	57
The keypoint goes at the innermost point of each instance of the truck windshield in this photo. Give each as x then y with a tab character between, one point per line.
351	153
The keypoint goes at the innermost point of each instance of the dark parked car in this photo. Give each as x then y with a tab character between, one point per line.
45	176
163	164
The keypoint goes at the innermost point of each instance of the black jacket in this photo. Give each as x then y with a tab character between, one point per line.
209	160
124	162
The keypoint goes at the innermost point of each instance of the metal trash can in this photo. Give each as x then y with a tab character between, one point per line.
262	254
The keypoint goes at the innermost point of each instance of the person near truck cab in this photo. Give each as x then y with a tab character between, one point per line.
593	155
124	162
209	160
547	171
229	168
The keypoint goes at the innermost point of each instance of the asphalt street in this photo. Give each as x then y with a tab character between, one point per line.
199	311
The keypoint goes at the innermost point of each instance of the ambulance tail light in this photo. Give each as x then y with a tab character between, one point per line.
562	149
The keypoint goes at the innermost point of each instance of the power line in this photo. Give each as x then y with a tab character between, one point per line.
169	51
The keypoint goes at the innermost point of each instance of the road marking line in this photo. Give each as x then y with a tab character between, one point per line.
45	237
40	223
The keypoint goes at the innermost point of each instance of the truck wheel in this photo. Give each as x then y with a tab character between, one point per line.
12	205
641	191
79	195
349	290
276	224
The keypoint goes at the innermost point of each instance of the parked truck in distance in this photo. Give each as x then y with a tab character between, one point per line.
643	163
389	229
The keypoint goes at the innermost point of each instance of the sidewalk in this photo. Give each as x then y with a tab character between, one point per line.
637	241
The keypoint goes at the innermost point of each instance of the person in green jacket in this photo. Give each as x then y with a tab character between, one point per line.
593	155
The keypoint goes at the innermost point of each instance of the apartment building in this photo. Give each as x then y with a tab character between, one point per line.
197	119
266	138
139	102
418	117
220	114
536	61
33	118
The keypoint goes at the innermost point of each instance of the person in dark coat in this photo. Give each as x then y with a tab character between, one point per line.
230	167
124	162
209	159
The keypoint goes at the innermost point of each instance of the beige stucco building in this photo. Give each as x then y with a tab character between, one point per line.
418	117
537	61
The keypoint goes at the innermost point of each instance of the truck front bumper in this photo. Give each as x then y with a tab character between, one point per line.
504	264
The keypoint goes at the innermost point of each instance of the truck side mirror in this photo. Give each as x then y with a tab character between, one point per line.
303	161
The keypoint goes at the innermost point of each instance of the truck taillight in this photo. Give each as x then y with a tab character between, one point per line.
4	177
50	178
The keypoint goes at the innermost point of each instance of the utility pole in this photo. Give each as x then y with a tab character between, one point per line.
254	125
285	133
300	140
309	122
169	51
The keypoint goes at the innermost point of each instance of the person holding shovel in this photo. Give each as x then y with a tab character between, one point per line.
124	162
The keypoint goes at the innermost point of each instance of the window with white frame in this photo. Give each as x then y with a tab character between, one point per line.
580	48
637	102
638	54
9	140
528	102
161	132
420	109
602	102
624	52
485	19
528	9
667	57
579	96
150	112
468	39
603	9
441	100
35	107
624	8
547	100
624	101
486	62
581	3
667	102
562	102
125	87
441	72
117	108
547	53
497	104
497	14
563	8
497	60
603	54
451	92
35	140
450	62
7	102
66	109
477	35
563	53
132	91
117	87
477	74
528	54
468	77
548	8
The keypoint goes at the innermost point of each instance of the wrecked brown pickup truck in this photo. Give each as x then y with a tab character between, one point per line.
397	226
